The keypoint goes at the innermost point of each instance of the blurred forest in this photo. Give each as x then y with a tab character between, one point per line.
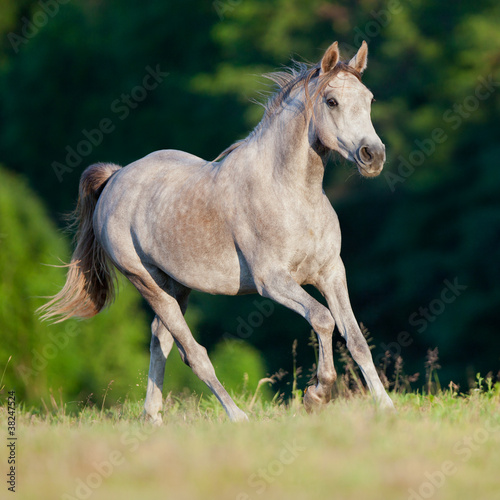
420	243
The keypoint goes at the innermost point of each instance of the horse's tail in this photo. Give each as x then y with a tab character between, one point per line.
90	279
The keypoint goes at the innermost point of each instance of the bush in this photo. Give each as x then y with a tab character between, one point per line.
77	358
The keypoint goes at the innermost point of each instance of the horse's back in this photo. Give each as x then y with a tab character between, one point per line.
164	163
129	191
167	211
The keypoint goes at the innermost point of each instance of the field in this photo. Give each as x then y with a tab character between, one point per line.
443	446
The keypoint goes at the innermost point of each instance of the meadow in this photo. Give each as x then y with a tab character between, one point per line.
442	446
417	244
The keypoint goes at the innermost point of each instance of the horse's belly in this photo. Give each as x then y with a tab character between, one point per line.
214	282
218	274
201	258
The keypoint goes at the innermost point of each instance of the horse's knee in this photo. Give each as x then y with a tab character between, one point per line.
197	359
200	362
322	321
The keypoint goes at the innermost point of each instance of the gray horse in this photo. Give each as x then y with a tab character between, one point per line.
255	220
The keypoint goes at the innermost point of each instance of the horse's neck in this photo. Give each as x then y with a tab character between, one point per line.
289	153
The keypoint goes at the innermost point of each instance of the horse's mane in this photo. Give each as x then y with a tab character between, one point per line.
289	79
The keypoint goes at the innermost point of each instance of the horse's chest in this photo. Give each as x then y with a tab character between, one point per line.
306	264
317	247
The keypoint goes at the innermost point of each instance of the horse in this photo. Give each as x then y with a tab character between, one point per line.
254	220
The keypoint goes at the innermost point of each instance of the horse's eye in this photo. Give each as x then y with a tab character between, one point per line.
331	103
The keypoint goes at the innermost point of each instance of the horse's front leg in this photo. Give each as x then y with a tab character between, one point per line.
333	285
282	288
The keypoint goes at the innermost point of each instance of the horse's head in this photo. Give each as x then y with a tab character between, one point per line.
342	108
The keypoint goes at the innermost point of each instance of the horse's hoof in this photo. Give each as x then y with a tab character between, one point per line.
312	402
386	404
155	420
239	416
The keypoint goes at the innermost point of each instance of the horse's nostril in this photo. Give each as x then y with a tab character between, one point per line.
366	154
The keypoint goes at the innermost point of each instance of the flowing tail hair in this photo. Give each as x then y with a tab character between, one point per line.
90	281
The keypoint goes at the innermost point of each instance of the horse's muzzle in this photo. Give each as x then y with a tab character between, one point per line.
370	159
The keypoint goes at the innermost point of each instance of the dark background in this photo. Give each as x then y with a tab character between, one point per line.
432	216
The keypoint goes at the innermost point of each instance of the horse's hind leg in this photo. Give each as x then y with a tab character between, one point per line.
161	344
163	300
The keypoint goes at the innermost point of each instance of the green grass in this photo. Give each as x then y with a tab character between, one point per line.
347	451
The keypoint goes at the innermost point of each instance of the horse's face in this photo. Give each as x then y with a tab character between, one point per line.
342	119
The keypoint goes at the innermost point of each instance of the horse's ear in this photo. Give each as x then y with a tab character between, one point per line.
359	61
330	58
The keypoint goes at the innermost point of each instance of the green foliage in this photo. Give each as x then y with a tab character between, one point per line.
81	359
402	235
238	365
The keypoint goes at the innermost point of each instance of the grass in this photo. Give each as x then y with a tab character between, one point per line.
440	444
443	446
